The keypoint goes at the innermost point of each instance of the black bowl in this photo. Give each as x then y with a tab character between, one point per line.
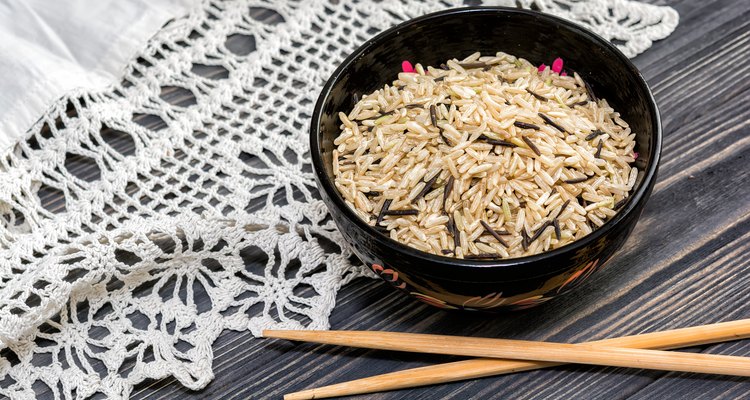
432	39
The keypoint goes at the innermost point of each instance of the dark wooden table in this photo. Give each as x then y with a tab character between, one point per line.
687	262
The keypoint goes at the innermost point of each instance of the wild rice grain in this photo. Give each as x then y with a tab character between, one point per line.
525	239
401	212
433	115
594	134
492	232
551	123
563	207
590	91
538	96
539	231
385	207
531	145
481	256
427	188
524	125
556	225
447	190
454	233
496	142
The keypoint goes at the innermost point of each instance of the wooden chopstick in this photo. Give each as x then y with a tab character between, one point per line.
584	353
483	367
596	353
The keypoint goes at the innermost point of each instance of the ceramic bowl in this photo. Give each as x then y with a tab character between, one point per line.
504	284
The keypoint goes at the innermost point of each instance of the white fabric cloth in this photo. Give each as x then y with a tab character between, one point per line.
49	47
210	220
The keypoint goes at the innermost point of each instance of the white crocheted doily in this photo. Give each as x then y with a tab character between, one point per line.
99	290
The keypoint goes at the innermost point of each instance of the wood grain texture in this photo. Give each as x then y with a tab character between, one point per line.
684	264
687	262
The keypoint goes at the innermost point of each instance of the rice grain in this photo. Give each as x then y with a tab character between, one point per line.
486	146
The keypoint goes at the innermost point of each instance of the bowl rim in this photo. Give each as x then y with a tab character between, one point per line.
638	194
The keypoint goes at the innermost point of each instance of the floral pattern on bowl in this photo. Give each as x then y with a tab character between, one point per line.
495	300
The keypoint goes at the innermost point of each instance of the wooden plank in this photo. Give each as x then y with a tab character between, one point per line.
685	264
692	244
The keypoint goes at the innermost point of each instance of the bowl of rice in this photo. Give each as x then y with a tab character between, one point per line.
485	158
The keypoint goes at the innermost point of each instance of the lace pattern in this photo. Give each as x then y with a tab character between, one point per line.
630	25
186	202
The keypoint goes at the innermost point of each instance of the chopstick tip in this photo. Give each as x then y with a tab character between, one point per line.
308	394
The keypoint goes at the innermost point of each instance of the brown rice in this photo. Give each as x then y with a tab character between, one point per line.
494	160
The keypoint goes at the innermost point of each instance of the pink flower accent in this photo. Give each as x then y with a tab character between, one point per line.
564	73
635	154
394	274
557	65
542	68
407	67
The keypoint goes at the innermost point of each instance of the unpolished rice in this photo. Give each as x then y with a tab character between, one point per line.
489	142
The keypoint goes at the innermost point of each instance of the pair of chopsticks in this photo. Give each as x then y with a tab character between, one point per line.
502	356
